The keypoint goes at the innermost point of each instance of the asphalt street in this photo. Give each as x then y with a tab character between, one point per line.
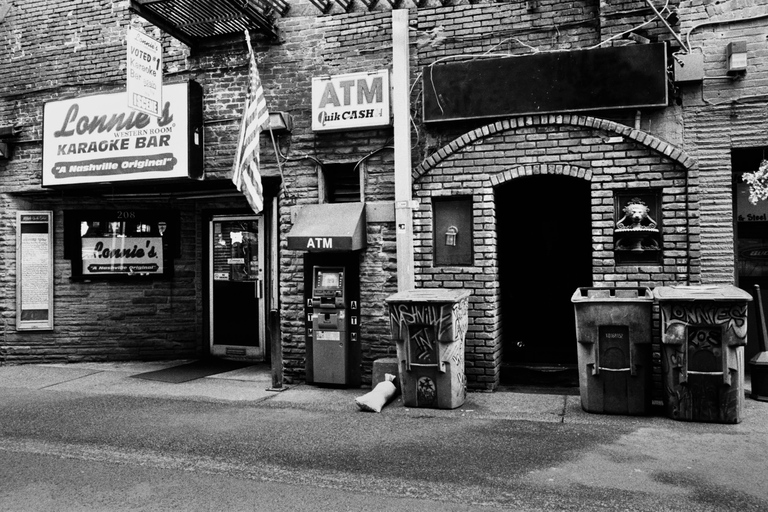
91	437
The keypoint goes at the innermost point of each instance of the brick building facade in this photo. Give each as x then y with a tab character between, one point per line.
526	181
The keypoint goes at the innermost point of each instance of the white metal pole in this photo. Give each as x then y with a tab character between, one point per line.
401	108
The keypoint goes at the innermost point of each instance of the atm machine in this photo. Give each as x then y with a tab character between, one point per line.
333	322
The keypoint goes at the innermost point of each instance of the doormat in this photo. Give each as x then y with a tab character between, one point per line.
193	371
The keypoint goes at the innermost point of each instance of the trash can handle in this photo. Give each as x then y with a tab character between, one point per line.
684	372
596	368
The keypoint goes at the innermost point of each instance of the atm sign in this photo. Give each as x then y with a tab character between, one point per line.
320	243
351	101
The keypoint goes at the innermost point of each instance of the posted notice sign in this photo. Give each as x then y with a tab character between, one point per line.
145	73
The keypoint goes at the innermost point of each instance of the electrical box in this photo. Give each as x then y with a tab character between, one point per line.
689	67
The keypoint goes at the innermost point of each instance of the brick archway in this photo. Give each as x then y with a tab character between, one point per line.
482	162
646	139
540	169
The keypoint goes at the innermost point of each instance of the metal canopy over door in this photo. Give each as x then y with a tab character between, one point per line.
236	286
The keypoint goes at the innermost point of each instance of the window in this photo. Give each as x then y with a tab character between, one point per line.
105	244
751	221
341	183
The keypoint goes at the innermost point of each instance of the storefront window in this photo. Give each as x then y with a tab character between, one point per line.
120	243
751	227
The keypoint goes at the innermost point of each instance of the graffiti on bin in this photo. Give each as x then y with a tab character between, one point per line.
439	317
733	316
423	344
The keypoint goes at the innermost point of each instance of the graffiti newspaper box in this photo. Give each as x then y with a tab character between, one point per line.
429	327
703	333
613	331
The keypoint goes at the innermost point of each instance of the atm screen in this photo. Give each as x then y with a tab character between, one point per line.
329	279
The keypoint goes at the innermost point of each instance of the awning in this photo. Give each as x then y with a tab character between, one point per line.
195	21
328	227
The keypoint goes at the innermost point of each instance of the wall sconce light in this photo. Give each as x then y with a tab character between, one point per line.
737	56
281	6
323	5
280	122
5	151
450	236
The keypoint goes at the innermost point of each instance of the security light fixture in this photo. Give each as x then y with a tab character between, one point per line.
9	131
672	18
5	148
737	57
280	122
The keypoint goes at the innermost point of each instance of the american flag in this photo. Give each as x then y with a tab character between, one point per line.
245	168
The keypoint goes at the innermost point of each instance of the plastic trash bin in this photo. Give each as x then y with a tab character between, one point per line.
429	327
613	333
703	333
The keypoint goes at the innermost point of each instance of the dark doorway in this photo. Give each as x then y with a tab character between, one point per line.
544	245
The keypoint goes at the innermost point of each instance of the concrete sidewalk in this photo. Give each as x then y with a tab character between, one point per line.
251	385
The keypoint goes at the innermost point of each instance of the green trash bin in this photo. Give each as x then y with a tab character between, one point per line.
429	327
703	334
613	334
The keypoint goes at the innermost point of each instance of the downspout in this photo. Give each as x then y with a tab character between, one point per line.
401	108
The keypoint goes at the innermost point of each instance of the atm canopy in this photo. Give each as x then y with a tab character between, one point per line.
328	227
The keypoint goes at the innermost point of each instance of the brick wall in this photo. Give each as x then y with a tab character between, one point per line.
723	113
63	49
487	157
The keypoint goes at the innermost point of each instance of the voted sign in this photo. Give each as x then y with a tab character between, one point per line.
145	73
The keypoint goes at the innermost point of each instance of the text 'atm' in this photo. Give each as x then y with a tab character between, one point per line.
333	326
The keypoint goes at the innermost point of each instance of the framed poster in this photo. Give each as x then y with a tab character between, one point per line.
34	270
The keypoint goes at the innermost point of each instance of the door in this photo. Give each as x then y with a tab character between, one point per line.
236	287
545	252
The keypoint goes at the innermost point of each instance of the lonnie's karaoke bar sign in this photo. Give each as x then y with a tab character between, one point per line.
96	139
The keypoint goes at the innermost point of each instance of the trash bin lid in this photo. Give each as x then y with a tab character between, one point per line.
430	295
611	294
720	292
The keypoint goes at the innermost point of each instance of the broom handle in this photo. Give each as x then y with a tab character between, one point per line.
763	330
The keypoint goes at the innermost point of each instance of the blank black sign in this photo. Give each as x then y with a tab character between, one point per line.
605	78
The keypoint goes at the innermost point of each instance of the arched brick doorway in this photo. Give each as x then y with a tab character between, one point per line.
608	156
543	225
